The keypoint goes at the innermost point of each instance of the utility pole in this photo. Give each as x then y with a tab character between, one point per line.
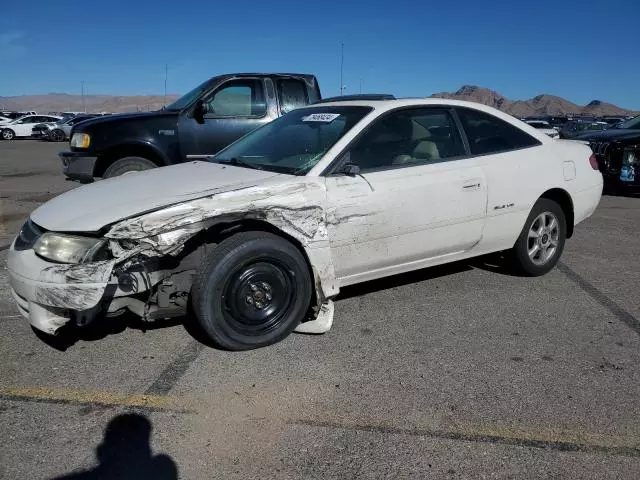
341	67
166	69
84	108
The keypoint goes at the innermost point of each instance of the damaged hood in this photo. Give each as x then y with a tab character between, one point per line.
92	207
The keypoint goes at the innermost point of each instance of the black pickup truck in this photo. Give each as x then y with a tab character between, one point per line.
198	124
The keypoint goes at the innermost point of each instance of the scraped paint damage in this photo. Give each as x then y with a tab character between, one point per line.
298	210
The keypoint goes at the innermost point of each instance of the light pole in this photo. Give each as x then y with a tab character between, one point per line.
166	69
84	108
341	67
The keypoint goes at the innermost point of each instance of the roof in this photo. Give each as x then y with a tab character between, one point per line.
381	106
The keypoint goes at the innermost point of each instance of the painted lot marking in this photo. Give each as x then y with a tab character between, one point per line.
173	372
93	397
620	313
549	438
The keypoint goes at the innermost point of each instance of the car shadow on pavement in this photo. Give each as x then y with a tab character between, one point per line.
125	453
403	279
70	334
495	262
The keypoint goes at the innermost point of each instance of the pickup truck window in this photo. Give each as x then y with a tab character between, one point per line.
292	94
238	98
295	142
188	98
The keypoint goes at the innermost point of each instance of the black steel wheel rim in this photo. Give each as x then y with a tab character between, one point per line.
257	296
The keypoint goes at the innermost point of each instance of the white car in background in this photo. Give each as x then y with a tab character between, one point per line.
23	126
260	237
544	127
4	120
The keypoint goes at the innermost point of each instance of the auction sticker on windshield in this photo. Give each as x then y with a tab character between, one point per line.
321	117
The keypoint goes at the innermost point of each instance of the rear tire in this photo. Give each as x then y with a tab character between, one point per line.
253	290
8	134
542	239
57	135
127	165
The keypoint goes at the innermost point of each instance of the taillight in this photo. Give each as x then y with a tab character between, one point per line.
594	162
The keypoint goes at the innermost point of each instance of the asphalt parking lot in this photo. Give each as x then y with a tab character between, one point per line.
461	371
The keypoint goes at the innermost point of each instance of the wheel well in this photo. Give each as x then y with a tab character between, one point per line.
219	232
121	151
562	198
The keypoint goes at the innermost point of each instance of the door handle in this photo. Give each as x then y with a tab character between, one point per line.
471	185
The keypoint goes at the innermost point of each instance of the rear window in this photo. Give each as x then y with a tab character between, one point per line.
489	134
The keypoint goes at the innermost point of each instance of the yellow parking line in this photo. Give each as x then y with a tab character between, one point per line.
544	437
96	397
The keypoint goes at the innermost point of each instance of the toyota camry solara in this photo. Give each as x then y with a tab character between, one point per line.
256	240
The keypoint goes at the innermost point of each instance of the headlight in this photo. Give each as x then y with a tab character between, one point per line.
630	157
80	140
68	248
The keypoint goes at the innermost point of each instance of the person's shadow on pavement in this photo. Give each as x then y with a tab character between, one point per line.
125	453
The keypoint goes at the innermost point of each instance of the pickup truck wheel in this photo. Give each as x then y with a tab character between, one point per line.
541	241
126	165
56	135
252	291
8	134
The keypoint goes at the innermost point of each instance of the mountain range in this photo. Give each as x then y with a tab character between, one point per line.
539	105
64	102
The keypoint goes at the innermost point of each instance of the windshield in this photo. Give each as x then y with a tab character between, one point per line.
633	124
188	98
295	142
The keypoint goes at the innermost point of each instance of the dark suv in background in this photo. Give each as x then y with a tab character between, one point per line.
618	152
576	127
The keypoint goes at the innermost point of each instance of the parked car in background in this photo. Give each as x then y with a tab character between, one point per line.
555	121
259	238
42	130
23	126
4	120
618	152
544	127
16	115
613	120
197	125
59	132
573	128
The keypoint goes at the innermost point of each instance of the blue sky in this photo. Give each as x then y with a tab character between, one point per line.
581	50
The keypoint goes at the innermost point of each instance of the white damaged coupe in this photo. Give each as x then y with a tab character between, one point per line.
258	239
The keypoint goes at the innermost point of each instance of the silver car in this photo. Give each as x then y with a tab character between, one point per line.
59	132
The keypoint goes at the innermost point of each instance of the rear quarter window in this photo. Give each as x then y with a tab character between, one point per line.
488	134
292	94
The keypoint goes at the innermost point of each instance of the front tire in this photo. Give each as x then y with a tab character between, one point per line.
128	165
542	239
253	290
8	134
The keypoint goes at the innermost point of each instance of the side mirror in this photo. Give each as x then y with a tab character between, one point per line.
350	169
199	111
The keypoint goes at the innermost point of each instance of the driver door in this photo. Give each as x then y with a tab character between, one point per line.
232	110
418	197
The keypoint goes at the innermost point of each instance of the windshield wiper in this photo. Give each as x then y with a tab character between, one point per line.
238	161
